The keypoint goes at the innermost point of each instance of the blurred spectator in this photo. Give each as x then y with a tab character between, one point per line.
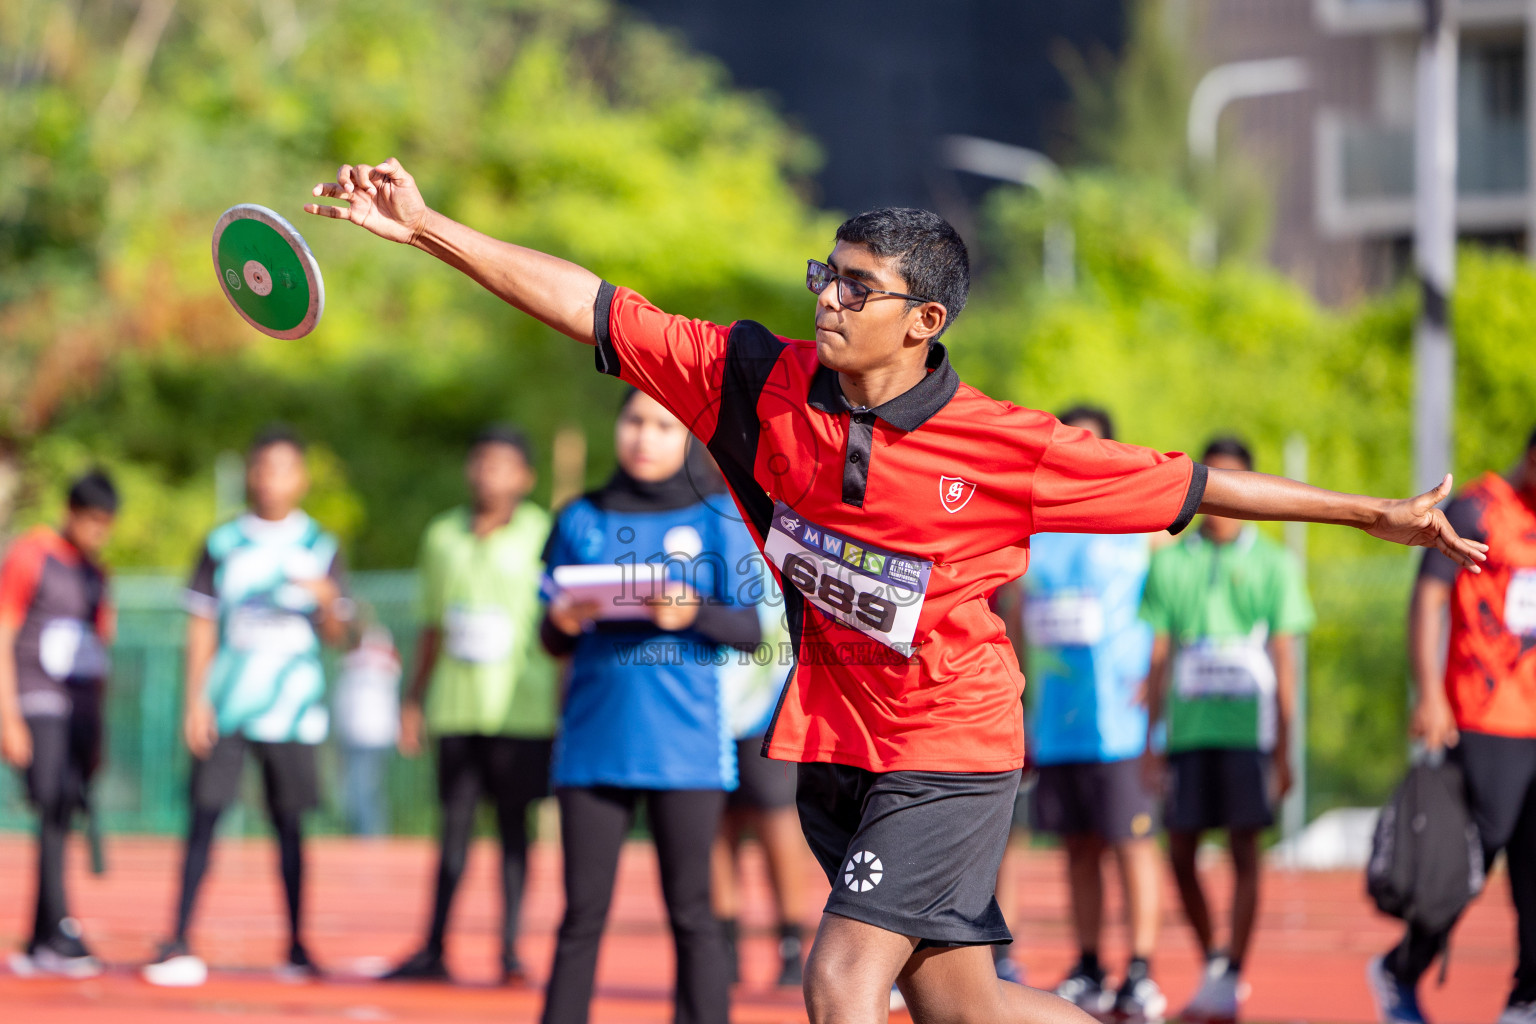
268	588
481	686
367	706
56	624
1087	655
763	803
643	721
1226	605
1481	707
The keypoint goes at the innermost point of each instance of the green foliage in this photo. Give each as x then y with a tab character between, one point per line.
566	126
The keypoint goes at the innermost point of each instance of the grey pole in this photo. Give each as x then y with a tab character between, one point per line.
1293	812
1032	169
1434	243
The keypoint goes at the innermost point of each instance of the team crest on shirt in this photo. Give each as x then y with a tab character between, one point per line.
954	493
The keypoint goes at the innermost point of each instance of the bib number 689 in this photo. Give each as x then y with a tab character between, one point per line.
876	612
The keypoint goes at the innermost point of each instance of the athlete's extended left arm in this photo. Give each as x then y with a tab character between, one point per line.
1412	521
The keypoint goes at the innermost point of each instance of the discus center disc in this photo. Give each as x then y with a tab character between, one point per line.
257	277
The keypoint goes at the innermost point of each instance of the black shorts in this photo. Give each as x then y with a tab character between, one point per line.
1101	798
765	785
507	770
289	775
66	750
1218	789
915	853
1501	785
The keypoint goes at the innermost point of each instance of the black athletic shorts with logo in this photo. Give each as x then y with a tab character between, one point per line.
1214	788
1101	798
289	775
763	784
915	853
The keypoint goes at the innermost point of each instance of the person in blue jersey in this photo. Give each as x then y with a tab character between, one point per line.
644	720
268	589
1087	654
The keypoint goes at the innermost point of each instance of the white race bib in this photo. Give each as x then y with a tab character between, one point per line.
1223	668
877	592
69	649
270	631
478	635
1520	603
1064	620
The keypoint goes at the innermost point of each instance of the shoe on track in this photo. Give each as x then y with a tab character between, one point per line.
299	966
1396	1003
898	1001
1008	969
175	967
422	965
1519	1013
791	971
1086	992
1141	1002
64	955
1218	998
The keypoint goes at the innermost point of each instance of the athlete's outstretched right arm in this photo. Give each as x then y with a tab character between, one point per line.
384	199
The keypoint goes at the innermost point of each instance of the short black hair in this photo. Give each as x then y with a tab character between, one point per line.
270	436
1231	447
507	434
1100	416
930	255
93	490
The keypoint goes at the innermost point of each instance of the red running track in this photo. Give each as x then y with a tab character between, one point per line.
367	901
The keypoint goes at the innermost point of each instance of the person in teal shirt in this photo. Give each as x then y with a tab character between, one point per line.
1226	605
268	588
483	686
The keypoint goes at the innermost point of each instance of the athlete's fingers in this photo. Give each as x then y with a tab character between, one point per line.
362	175
391	171
329	190
344	177
321	210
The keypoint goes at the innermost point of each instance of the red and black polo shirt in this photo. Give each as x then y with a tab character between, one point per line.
56	600
888	528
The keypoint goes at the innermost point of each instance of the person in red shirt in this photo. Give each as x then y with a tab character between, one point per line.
1477	700
55	626
891	500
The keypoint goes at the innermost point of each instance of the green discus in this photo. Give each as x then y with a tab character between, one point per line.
267	272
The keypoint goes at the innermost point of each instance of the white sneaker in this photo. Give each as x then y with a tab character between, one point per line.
898	1001
1519	1013
176	968
1217	1000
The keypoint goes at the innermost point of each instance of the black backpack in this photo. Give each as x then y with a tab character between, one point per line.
1426	858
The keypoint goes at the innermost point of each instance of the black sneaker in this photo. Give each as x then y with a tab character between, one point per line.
1086	991
512	972
65	954
423	965
299	966
791	971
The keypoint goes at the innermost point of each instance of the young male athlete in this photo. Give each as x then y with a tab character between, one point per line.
55	627
482	684
267	589
1088	652
891	500
1226	604
1477	697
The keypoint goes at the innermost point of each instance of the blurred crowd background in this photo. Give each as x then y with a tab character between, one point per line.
1261	286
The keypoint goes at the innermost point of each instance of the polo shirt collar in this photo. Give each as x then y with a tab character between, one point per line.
908	410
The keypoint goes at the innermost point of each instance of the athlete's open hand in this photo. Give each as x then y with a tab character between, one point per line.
200	729
1418	523
384	199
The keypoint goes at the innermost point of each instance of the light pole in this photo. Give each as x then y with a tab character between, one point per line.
1029	168
1434	242
1244	79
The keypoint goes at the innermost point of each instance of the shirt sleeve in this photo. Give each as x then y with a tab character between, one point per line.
19	575
677	361
430	598
202	597
1466	518
1155	609
1087	485
1293	612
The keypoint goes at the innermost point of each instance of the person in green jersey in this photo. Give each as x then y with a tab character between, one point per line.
1226	606
267	590
482	685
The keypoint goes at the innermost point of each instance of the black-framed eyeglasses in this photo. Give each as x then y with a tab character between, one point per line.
851	293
